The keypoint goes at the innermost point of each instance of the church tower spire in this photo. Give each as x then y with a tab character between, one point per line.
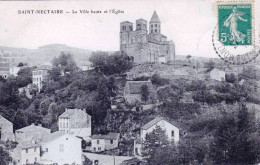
155	24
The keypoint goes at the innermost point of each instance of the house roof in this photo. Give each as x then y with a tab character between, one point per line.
135	86
26	145
4	120
155	18
78	118
71	112
53	136
152	122
109	136
33	128
133	160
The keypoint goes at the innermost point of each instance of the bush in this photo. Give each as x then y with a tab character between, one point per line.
158	81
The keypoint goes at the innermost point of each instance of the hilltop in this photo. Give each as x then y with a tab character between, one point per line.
43	54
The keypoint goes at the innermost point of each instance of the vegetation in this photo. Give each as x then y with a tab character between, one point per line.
215	127
145	93
4	156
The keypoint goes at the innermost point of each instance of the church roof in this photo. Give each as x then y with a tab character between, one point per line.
155	18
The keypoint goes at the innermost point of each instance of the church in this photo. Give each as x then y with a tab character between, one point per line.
146	46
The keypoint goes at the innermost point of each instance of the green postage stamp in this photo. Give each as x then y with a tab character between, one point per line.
235	24
234	38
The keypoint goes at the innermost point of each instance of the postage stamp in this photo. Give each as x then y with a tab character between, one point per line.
233	38
235	24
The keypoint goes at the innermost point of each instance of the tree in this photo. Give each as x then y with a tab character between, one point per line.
236	139
87	161
21	64
157	80
231	78
210	65
116	63
24	76
145	93
5	158
154	140
188	57
63	64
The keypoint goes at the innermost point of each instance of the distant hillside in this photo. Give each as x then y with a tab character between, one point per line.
43	54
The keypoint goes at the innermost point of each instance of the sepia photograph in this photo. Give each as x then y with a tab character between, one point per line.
120	82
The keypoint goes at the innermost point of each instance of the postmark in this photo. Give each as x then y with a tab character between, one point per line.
233	38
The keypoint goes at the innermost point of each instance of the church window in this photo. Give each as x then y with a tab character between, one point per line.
139	26
151	26
155	30
130	27
172	133
155	25
124	28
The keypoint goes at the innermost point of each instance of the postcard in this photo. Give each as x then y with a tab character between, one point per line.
119	82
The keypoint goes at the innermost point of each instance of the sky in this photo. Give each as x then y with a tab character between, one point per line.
189	23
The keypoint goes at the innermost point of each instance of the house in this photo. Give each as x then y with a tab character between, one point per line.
217	74
30	153
61	148
31	133
132	91
13	71
104	142
40	75
76	122
171	131
6	130
134	161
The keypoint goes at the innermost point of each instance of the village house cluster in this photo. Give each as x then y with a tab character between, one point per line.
37	144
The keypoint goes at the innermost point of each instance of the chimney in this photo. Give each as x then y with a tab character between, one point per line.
33	123
66	109
40	125
84	110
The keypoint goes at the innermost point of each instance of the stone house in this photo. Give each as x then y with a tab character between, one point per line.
30	153
6	130
132	91
217	74
104	142
40	75
76	122
31	133
171	131
61	148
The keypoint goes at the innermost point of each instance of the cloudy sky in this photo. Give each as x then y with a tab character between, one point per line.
188	23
